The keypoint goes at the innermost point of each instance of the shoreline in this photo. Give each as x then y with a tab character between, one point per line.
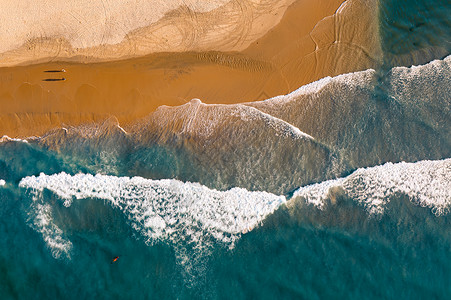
293	53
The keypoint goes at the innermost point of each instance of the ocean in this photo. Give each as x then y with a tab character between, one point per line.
340	189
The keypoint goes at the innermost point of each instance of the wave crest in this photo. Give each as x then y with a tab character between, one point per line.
426	183
161	210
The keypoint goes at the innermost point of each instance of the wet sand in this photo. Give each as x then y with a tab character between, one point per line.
311	41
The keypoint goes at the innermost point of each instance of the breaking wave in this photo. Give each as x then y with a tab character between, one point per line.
322	131
425	183
187	214
192	215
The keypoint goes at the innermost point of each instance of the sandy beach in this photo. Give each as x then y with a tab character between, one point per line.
239	51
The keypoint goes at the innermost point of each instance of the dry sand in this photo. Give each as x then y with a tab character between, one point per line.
91	31
239	63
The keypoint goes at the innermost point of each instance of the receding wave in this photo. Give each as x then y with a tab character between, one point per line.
321	131
220	146
369	118
187	214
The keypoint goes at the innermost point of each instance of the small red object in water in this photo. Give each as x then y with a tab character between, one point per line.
115	259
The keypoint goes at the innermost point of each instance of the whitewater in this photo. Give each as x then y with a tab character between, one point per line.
338	188
163	210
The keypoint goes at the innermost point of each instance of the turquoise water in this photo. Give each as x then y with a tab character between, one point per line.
341	248
341	189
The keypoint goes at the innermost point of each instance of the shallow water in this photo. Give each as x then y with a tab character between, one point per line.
341	189
414	32
252	226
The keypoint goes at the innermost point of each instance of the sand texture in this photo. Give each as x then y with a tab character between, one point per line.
240	51
92	31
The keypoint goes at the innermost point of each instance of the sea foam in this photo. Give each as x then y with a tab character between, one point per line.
426	183
187	213
160	210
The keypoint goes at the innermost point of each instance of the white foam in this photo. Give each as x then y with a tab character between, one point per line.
40	217
427	183
306	89
6	138
164	210
2	182
353	80
359	79
205	120
122	129
281	127
191	214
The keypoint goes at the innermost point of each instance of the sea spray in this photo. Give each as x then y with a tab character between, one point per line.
163	210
